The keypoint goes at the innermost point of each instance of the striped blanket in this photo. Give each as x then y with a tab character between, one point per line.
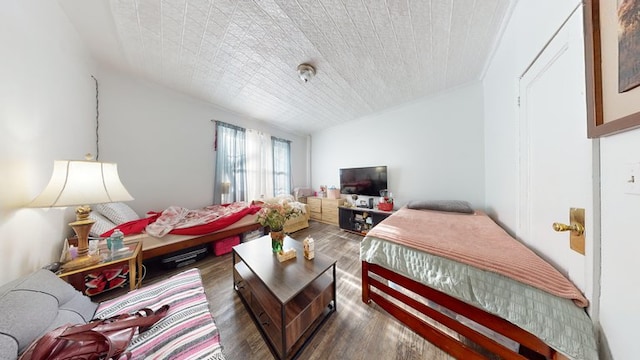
188	331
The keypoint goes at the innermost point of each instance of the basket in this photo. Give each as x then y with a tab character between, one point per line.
385	206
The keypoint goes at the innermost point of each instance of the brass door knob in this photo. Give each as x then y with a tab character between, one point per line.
578	228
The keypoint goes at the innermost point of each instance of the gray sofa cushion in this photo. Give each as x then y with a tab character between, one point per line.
442	205
34	304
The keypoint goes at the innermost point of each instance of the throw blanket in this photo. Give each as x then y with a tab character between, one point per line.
179	220
478	241
182	221
188	331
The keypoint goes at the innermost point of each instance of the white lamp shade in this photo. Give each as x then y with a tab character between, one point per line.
76	183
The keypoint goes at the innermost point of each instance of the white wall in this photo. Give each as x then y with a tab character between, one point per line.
620	293
163	141
433	148
47	110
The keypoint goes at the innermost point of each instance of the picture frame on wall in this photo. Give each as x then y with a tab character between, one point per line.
612	64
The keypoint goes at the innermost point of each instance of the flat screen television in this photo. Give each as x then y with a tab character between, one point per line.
364	180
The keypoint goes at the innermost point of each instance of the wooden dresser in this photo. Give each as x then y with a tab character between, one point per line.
324	209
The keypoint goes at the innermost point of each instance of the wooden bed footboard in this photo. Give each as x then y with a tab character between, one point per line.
189	243
374	286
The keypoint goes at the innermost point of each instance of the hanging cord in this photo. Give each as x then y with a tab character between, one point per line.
97	120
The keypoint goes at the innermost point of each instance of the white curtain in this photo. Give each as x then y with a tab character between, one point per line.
259	164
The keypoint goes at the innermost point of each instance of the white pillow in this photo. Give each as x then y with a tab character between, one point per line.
118	213
101	226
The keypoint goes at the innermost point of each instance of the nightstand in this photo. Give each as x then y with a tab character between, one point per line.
131	254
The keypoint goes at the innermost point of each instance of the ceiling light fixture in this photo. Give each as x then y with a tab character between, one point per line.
306	72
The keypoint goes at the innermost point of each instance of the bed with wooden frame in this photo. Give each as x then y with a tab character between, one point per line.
463	272
175	228
153	247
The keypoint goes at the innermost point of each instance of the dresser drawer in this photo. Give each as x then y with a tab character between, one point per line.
329	204
330	215
324	209
331	218
330	212
315	204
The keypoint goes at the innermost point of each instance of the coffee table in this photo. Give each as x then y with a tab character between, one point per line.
289	300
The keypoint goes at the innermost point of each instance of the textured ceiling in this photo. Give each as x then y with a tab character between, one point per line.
242	55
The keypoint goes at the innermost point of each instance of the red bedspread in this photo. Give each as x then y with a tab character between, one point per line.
478	241
182	221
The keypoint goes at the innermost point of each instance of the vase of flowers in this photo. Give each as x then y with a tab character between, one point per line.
274	215
277	240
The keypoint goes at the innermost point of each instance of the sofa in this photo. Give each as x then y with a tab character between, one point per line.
40	302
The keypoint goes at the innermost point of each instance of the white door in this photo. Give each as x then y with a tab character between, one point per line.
555	156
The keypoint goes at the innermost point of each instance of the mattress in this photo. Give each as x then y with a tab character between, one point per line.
556	321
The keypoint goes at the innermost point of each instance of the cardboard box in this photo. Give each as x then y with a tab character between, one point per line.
333	194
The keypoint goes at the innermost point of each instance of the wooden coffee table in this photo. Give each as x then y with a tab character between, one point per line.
289	300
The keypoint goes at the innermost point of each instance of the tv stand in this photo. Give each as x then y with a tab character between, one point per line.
360	220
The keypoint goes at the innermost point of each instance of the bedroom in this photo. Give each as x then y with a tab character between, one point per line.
48	112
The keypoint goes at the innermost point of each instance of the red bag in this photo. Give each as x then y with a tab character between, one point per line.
97	339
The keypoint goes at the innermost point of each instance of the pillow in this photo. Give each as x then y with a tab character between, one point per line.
101	226
457	206
118	212
34	304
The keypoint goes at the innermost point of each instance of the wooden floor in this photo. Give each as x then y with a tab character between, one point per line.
355	331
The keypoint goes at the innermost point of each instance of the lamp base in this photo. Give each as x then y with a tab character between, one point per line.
81	228
81	262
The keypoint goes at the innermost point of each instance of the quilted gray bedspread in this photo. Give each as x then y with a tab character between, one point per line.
557	321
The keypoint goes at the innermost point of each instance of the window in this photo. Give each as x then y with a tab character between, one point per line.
281	166
250	164
230	179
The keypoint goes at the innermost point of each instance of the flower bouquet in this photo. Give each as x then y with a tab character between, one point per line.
274	215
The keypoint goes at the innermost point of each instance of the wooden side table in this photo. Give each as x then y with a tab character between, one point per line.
131	253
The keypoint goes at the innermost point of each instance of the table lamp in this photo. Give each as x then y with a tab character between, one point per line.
82	183
224	192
